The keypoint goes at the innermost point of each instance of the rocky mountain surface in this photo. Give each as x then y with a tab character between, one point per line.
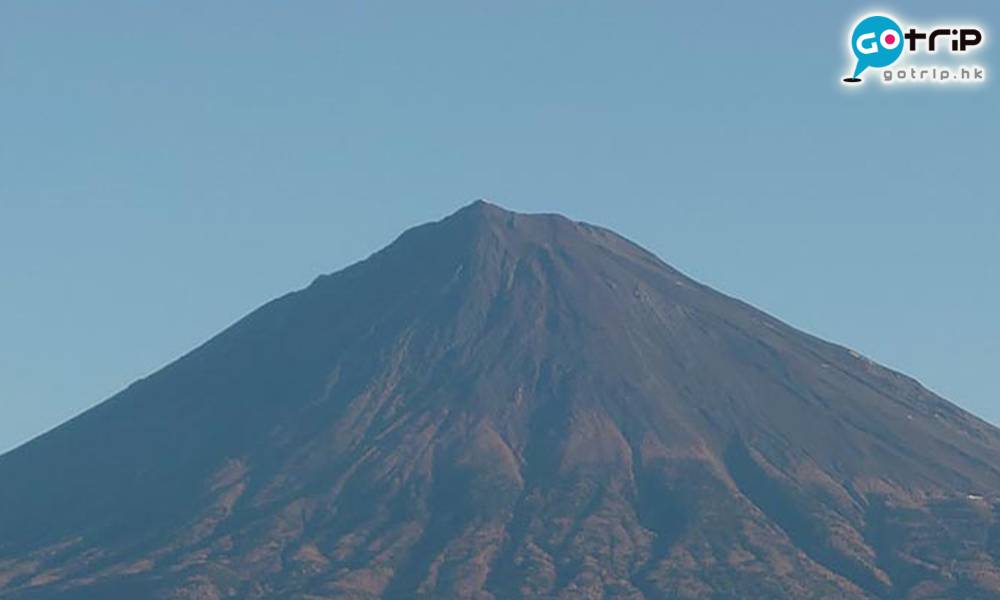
501	406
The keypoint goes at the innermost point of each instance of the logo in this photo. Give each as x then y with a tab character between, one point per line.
879	42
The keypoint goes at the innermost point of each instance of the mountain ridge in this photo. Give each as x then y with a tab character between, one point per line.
500	405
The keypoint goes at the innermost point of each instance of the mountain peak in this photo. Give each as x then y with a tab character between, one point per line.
482	229
482	209
485	210
485	206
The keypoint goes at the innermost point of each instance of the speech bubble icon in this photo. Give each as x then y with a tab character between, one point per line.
876	42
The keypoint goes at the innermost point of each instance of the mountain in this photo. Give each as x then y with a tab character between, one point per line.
501	406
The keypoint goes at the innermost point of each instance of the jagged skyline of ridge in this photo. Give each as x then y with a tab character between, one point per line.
287	143
505	405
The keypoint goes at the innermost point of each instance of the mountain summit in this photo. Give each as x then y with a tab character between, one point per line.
501	406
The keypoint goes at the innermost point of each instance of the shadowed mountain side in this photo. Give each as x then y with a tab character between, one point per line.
505	406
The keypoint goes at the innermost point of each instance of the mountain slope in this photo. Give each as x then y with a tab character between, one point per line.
505	406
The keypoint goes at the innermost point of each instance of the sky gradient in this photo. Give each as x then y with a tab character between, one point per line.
166	168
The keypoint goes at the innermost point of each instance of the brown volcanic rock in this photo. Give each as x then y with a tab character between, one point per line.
503	406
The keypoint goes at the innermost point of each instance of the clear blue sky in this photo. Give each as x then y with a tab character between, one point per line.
166	167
